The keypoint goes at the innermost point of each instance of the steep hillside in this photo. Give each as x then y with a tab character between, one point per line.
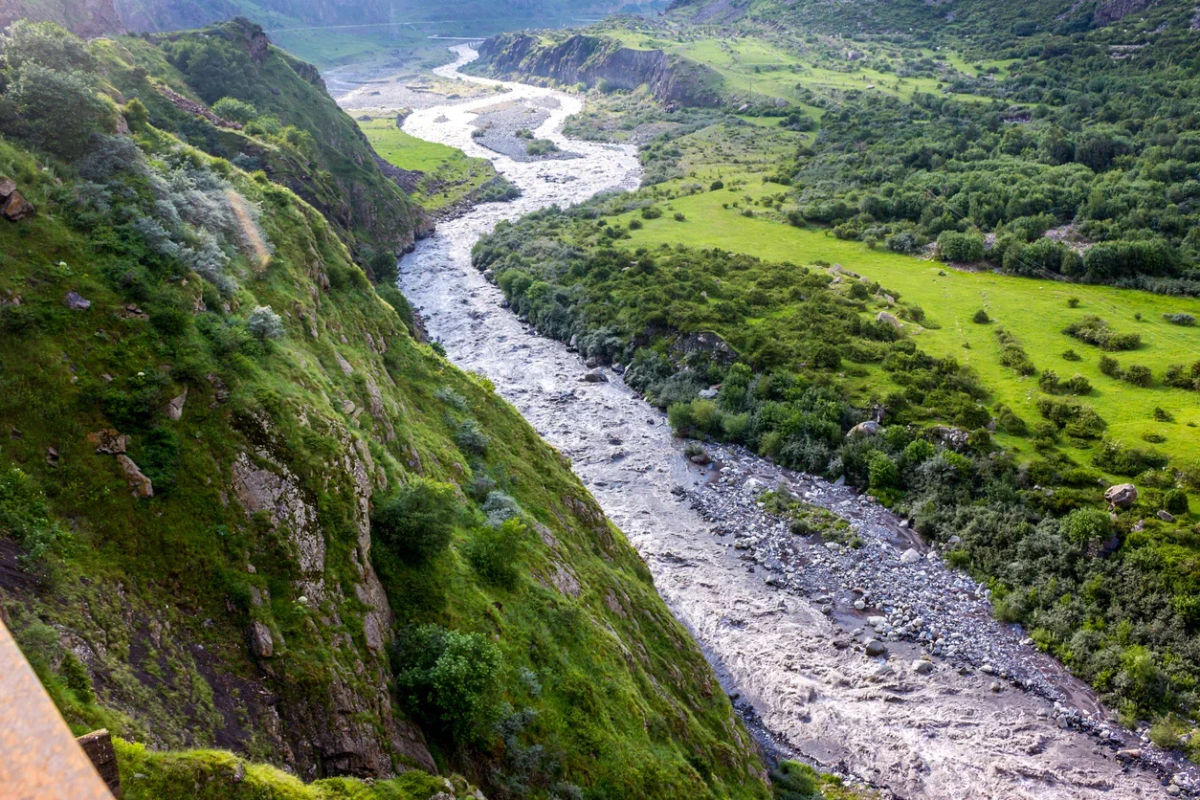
85	18
241	507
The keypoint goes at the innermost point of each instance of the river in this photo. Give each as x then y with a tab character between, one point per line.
961	706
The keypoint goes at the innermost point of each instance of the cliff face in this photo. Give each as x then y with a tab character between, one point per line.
86	18
593	59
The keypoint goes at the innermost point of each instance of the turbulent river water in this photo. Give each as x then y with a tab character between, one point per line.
960	706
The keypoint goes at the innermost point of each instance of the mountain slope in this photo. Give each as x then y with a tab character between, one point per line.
240	506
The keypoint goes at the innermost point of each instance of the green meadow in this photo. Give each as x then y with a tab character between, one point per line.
1035	311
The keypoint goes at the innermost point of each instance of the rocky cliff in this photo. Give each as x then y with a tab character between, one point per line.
593	60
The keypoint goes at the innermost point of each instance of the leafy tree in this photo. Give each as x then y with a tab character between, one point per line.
44	97
264	324
448	679
417	522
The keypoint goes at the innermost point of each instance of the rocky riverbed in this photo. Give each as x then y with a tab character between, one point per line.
877	662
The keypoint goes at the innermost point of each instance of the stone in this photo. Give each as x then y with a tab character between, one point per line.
174	409
868	428
1166	516
109	442
922	667
7	187
16	207
875	648
595	376
710	393
262	645
889	319
910	556
139	485
1122	495
996	687
77	302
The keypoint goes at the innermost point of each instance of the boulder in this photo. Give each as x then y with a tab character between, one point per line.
595	376
16	207
890	319
1123	495
7	187
910	556
922	667
868	428
174	409
261	643
139	484
1166	516
875	648
109	442
77	302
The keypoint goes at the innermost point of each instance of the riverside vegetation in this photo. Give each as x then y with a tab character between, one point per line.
764	285
244	506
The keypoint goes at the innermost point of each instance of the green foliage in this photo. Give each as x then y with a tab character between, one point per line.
233	109
964	247
792	780
1087	524
448	679
417	521
24	517
264	324
1094	330
494	552
981	317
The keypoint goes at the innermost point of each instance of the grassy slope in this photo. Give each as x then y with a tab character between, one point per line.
449	177
1036	311
156	595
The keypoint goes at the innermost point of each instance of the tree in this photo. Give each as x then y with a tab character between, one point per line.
417	522
448	679
265	324
46	99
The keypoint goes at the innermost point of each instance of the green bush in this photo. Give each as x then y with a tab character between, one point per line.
448	680
1086	524
792	780
493	552
962	247
981	317
1176	501
882	471
1138	375
1096	331
416	523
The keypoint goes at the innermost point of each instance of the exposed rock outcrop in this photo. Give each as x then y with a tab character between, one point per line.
592	59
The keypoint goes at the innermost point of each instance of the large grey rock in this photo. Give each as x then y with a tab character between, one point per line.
922	667
1123	495
890	319
139	484
262	645
595	376
910	556
868	428
174	409
77	302
875	648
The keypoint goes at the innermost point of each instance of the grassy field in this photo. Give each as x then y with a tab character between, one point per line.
450	175
1034	310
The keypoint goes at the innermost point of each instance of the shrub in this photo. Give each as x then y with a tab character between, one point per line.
1177	376
1071	355
1138	375
1120	460
1095	331
1162	415
651	212
1110	366
1176	501
416	523
1072	302
264	324
903	242
963	247
448	679
795	781
1077	384
233	109
717	184
882	471
679	217
981	317
1187	320
470	438
23	516
493	552
1086	524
